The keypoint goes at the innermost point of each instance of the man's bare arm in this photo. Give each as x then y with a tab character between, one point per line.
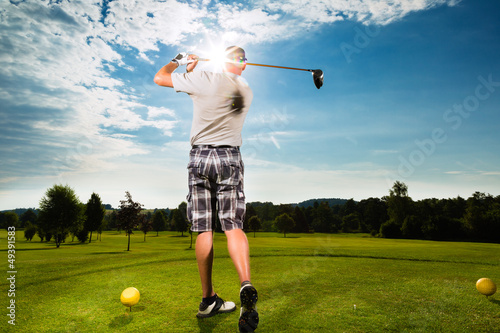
164	76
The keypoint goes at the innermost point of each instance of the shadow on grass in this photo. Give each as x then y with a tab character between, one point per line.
33	249
138	308
46	246
126	318
121	320
208	325
495	301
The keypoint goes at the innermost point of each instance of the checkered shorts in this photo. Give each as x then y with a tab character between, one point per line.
215	187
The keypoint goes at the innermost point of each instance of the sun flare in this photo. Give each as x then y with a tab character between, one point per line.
218	57
214	55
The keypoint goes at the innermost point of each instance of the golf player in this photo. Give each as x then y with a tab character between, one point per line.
215	172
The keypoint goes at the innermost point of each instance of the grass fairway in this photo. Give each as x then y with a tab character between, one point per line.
306	283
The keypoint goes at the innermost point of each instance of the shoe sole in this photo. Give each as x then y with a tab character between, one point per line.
216	312
211	314
249	317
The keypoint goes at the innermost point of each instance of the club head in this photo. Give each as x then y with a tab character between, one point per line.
318	77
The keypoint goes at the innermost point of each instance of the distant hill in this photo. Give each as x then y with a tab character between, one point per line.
331	202
307	203
20	211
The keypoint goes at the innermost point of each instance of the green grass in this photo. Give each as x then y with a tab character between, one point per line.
306	283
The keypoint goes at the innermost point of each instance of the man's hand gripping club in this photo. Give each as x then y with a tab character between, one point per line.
183	58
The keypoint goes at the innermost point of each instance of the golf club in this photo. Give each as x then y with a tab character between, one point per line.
317	73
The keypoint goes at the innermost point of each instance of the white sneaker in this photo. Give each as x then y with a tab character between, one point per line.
219	306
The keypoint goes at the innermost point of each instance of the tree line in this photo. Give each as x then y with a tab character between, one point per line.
62	215
477	218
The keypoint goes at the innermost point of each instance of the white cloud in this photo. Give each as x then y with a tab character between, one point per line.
251	25
144	24
364	11
156	112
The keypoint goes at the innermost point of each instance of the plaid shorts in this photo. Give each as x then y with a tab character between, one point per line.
215	188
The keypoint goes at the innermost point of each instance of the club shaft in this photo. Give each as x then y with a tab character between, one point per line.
272	66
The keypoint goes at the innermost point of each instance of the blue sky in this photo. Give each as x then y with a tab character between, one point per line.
411	93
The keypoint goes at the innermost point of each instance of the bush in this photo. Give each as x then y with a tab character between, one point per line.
29	231
268	226
284	223
82	235
390	229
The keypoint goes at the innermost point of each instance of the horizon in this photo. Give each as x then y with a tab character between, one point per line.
411	93
264	202
253	202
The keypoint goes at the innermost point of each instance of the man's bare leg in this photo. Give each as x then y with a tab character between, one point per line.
205	258
211	303
237	244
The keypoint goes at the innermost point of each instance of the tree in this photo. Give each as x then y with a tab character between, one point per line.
110	220
323	218
398	208
28	216
399	202
285	209
95	214
190	234
300	220
413	228
348	208
40	233
29	231
82	235
250	212
179	219
481	218
284	223
102	227
129	215
158	221
179	222
373	213
266	211
493	216
145	225
78	229
59	210
351	223
254	224
10	219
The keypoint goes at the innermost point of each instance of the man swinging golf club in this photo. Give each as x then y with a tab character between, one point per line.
220	104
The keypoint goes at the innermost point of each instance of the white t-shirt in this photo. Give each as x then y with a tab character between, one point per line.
220	105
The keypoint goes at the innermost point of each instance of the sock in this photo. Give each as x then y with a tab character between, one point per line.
244	283
209	300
